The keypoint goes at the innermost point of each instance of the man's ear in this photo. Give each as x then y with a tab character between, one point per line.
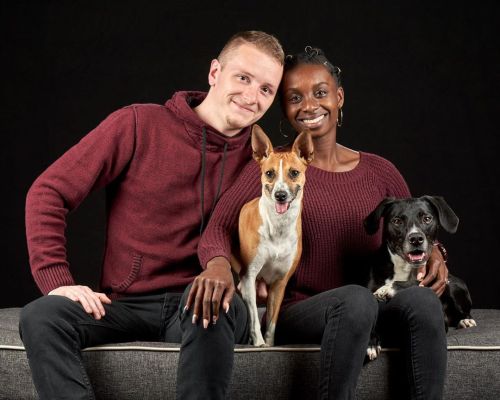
261	144
303	147
213	74
372	221
447	218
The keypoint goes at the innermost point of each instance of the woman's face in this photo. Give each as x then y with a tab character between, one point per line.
311	99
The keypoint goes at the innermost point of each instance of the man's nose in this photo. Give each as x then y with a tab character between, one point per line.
250	95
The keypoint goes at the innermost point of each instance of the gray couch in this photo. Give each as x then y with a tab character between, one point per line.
144	371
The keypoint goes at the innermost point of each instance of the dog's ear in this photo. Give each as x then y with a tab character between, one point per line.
261	144
303	147
372	221
447	217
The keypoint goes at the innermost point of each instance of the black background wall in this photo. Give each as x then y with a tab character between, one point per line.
421	84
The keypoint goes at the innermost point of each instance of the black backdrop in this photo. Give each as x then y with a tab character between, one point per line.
420	78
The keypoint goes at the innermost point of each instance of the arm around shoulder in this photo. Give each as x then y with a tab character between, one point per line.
223	225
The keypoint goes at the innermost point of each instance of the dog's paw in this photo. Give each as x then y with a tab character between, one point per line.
467	323
257	339
385	292
373	351
258	343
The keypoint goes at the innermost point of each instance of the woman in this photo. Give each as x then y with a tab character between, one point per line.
321	304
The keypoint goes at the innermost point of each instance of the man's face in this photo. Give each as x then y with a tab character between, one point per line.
243	86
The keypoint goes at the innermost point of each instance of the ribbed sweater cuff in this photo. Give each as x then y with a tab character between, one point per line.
53	276
206	254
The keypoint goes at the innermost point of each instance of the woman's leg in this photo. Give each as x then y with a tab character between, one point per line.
341	321
413	320
206	358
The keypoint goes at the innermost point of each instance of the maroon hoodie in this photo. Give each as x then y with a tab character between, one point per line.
161	165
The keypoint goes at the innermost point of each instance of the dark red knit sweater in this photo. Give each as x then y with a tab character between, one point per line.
149	158
335	245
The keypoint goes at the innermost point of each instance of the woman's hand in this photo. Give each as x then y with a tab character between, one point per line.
435	272
92	302
210	289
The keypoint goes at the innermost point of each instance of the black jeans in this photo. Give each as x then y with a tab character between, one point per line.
341	321
54	329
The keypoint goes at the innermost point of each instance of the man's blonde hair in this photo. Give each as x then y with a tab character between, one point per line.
265	42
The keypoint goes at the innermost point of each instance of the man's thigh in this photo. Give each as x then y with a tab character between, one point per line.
126	319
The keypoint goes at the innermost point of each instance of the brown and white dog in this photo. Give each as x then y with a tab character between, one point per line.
270	228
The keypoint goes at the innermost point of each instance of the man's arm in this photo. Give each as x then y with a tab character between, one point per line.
92	163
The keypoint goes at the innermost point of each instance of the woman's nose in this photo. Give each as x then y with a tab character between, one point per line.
310	103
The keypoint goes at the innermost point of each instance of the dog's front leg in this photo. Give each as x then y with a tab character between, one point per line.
274	299
249	296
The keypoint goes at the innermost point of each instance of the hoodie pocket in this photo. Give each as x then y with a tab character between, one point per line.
135	267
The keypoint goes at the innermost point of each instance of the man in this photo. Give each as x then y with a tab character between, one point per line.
164	168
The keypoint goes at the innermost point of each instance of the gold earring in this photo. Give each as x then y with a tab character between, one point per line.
340	118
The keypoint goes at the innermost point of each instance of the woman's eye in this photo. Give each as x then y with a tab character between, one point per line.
321	93
294	99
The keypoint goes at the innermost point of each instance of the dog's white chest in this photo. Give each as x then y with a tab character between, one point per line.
278	244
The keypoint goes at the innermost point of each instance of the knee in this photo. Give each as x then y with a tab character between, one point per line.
359	305
37	316
423	306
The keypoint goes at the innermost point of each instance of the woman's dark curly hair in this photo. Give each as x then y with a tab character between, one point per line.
313	55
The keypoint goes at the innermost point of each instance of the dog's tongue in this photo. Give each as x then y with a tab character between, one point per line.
281	208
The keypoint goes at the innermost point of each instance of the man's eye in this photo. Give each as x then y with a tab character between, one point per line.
266	90
243	78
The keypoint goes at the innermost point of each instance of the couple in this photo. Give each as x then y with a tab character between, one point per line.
176	176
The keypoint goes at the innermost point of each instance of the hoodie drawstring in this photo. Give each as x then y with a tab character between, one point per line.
203	172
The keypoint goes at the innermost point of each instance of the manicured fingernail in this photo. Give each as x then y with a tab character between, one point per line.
205	323
214	320
184	309
195	317
226	307
420	276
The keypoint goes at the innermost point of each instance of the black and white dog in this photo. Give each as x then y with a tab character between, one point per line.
409	231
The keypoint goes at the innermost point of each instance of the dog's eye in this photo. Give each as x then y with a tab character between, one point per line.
427	219
396	221
270	174
294	173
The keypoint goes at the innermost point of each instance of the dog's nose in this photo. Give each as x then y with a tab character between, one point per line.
416	239
280	195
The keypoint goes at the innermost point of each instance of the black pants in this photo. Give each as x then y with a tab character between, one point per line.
54	329
341	321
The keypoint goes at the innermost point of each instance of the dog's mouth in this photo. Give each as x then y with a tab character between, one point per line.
416	257
282	207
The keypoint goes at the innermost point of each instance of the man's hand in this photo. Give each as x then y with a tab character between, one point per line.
435	272
212	287
91	301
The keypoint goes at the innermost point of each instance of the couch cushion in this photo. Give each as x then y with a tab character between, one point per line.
144	370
